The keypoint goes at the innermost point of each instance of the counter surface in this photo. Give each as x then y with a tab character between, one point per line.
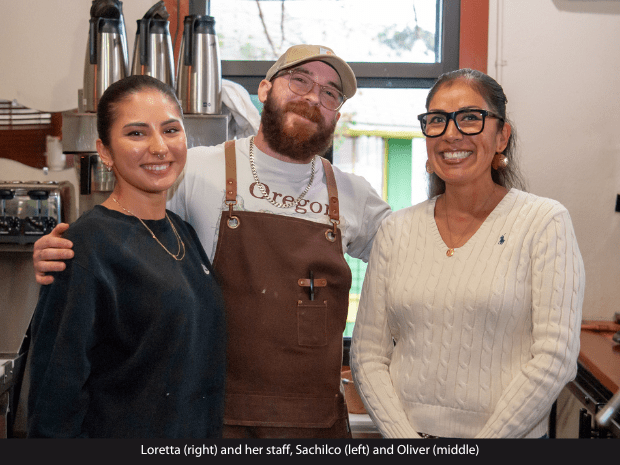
600	355
597	379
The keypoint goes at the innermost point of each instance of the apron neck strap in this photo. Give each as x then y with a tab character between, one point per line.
231	182
332	192
231	173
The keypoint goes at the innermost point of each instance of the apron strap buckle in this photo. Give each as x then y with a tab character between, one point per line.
332	234
233	221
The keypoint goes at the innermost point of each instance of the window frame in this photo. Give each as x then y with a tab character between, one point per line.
386	75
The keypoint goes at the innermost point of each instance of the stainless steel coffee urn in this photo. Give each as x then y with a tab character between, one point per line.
106	53
199	78
199	72
152	54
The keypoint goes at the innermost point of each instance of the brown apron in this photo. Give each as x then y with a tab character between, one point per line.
286	287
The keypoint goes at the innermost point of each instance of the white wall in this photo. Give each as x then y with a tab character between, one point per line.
559	64
43	46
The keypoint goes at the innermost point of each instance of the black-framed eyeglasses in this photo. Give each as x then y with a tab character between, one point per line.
468	122
300	84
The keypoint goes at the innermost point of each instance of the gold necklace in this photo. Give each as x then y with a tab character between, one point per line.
180	244
450	250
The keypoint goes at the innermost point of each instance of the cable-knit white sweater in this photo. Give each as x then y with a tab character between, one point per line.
479	344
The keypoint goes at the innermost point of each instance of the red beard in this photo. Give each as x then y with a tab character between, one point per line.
302	141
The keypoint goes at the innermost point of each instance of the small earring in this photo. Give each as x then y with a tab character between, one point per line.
499	161
429	168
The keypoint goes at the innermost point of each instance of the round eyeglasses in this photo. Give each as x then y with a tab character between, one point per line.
468	122
300	84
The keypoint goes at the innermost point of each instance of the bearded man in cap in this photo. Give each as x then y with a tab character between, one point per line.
275	219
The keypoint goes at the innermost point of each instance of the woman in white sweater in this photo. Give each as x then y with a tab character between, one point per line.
469	319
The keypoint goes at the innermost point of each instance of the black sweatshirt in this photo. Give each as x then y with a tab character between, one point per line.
127	341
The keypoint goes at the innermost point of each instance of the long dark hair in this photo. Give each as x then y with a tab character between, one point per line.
494	96
120	90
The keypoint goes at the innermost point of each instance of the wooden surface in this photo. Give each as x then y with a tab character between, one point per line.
601	356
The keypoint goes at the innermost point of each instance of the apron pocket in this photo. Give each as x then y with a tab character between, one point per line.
312	323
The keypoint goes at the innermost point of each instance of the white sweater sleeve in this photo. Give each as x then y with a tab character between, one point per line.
558	281
372	344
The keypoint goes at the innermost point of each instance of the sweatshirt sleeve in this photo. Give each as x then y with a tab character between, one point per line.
558	281
372	344
63	329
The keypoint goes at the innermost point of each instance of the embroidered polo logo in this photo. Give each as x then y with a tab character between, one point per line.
502	240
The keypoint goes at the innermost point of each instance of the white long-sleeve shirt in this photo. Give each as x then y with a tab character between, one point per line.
479	344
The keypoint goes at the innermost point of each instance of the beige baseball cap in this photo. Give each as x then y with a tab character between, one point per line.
298	54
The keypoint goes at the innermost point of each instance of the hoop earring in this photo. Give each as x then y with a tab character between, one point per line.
429	168
499	161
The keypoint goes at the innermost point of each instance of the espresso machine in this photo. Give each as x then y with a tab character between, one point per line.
28	210
106	62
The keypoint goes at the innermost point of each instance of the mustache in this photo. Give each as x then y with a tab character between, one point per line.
311	112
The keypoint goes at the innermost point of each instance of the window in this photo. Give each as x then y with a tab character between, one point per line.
397	48
389	44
